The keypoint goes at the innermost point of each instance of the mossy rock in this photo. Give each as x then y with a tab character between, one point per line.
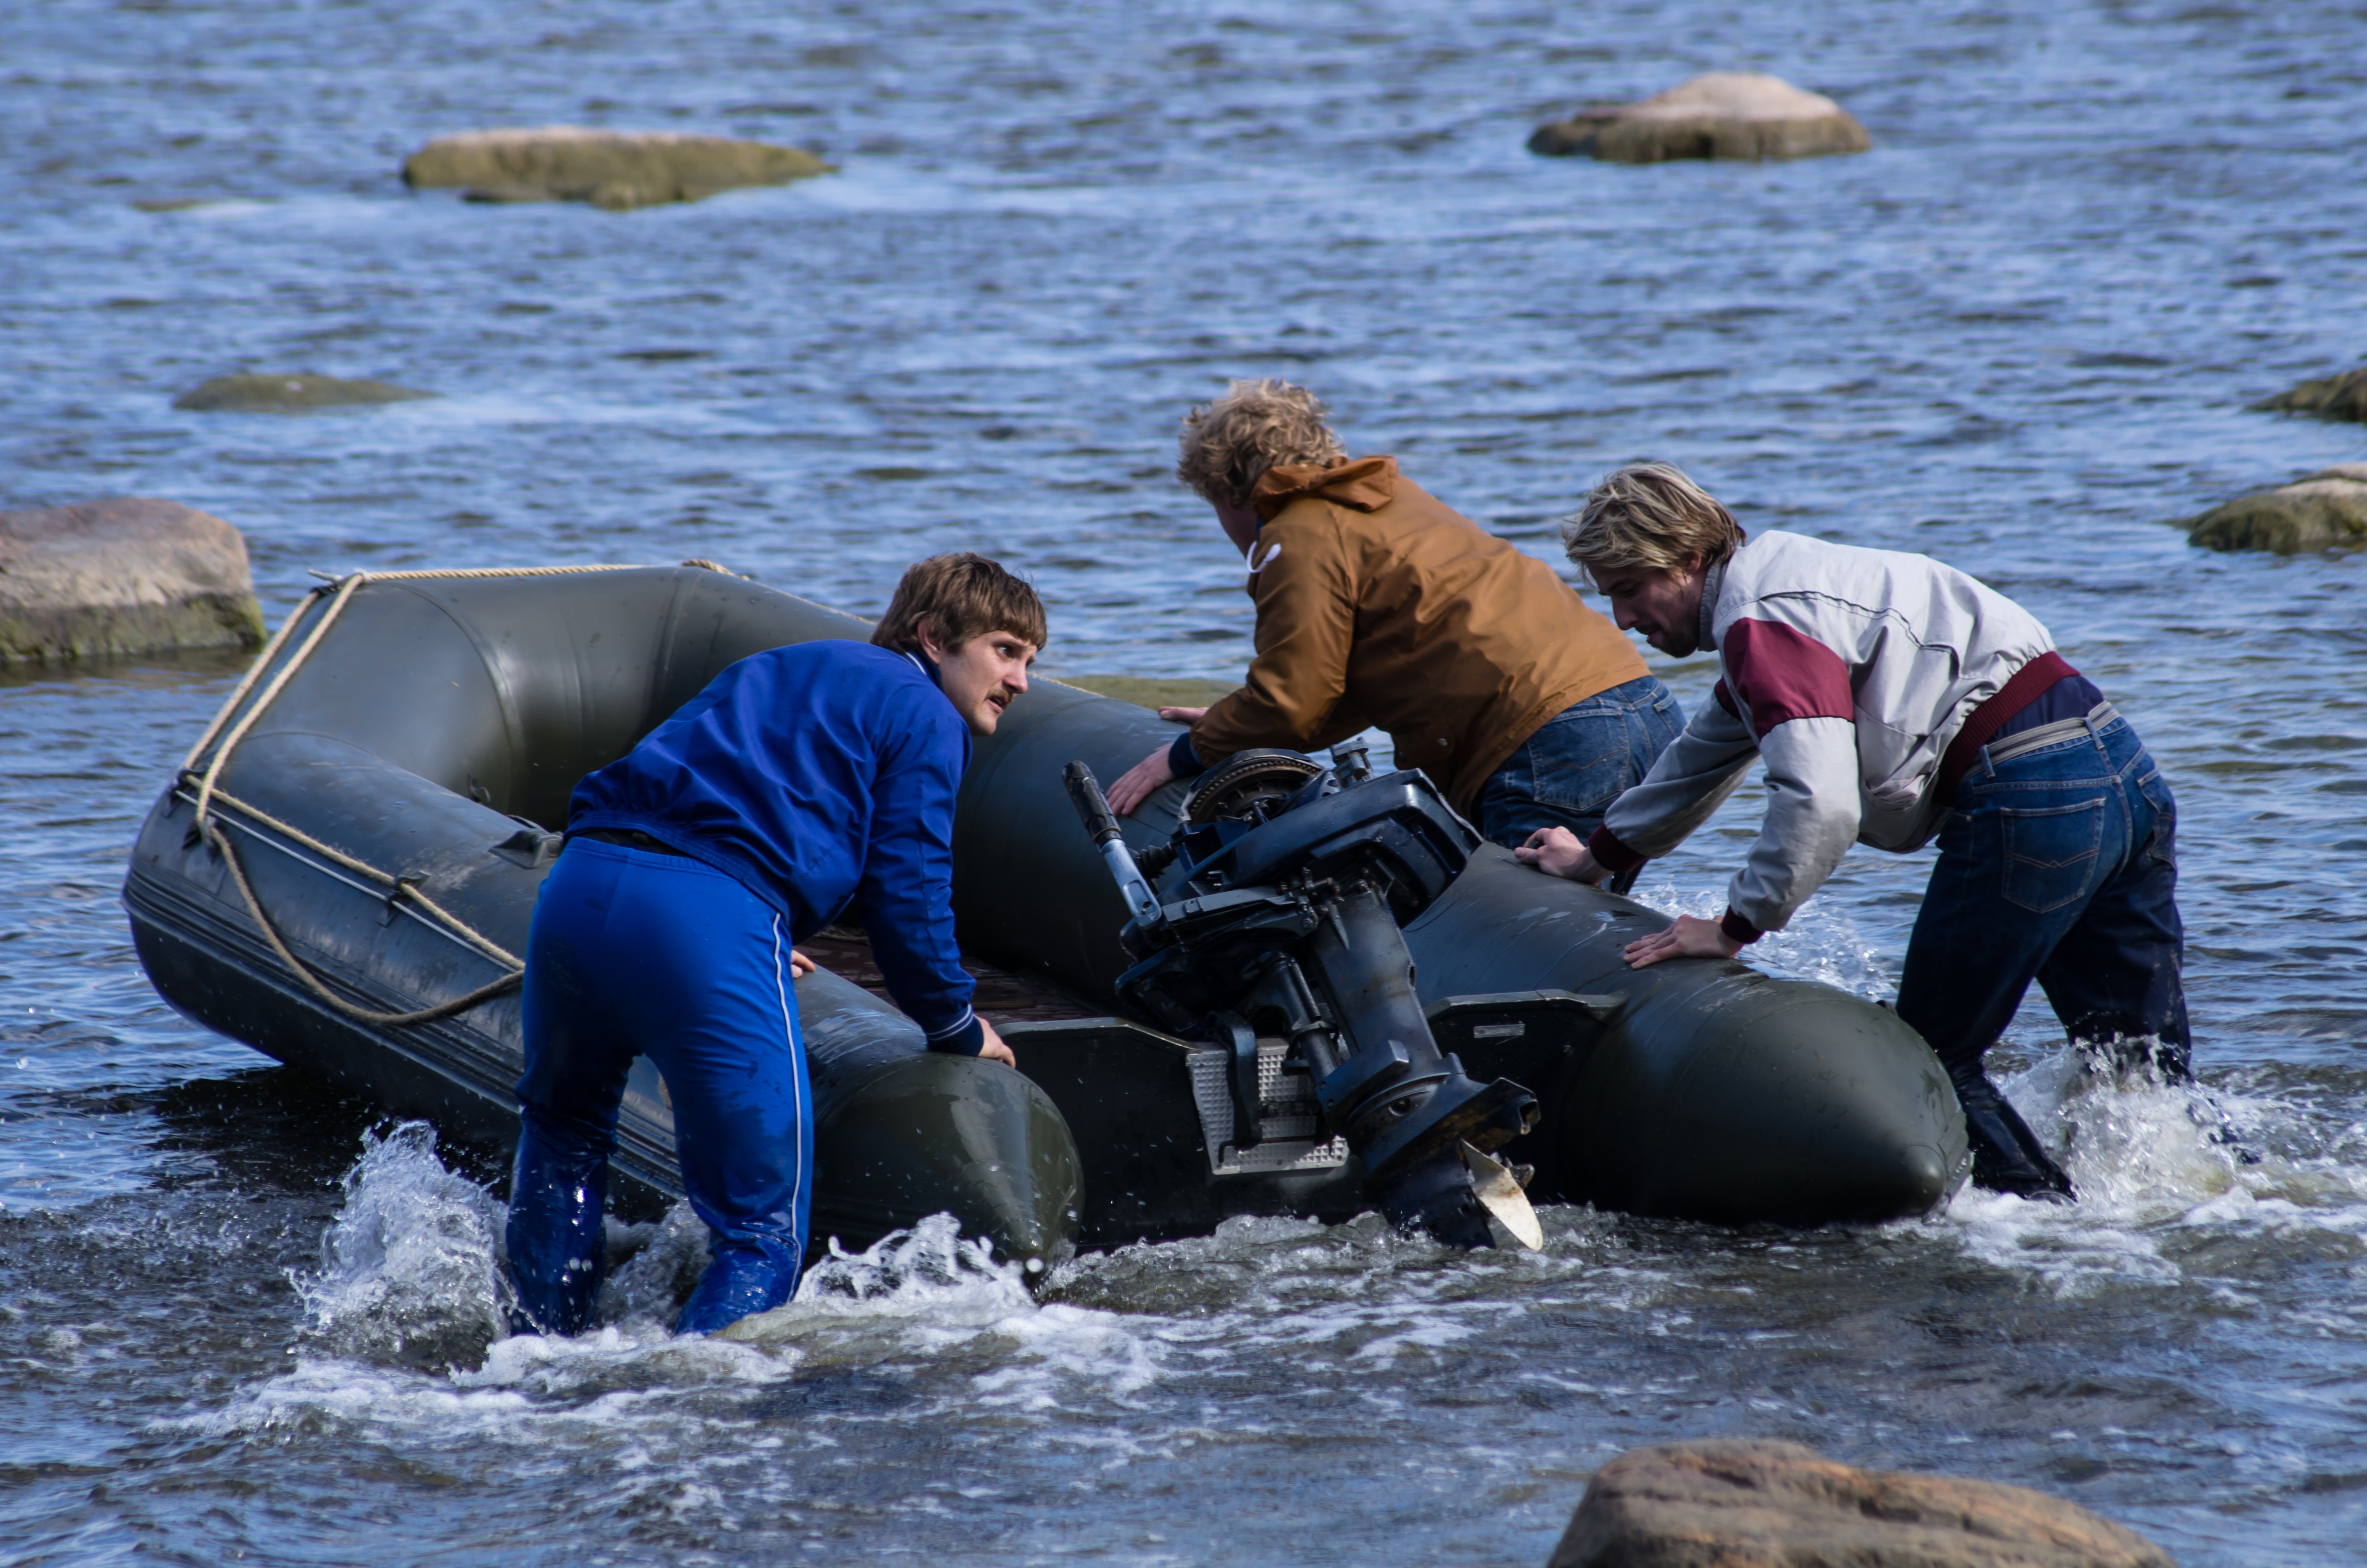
1155	691
615	170
2331	397
301	392
121	576
1724	114
2326	510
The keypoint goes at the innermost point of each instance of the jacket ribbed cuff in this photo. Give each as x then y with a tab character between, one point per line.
967	1040
1737	929
1182	760
1611	855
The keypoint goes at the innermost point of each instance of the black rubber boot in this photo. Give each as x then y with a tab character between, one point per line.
2007	1156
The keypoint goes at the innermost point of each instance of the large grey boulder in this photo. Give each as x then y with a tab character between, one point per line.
300	392
2330	397
1724	114
2326	510
1733	1504
618	170
121	576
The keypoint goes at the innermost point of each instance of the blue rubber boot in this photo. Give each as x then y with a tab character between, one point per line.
558	1243
744	1277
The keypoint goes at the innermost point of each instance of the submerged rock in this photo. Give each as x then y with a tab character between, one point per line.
1726	114
298	393
2331	397
1156	691
121	576
2326	510
617	170
1767	1505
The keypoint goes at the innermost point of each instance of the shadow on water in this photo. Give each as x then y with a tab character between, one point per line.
276	1128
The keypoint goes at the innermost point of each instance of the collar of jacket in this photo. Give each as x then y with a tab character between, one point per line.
1361	484
928	666
1712	581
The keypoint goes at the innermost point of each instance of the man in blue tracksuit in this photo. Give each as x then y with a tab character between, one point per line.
802	781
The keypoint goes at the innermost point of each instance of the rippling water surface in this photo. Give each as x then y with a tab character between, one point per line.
2020	334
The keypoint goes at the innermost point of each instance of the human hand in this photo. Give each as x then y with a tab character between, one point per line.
1688	939
1183	715
1561	853
1138	783
994	1050
799	965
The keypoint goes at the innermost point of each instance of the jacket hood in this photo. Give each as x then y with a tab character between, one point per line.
1361	484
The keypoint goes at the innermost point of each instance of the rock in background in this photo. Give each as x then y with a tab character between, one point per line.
1768	1504
2335	397
2326	510
300	392
1726	114
121	576
1156	691
612	169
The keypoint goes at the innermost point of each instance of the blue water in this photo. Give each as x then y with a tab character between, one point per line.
2020	334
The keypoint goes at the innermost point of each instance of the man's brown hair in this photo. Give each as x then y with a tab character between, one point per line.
1648	516
962	595
1227	444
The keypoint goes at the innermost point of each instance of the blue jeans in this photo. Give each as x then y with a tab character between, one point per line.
634	952
2058	864
1579	761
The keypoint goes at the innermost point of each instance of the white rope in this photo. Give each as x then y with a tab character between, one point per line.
345	595
399	888
246	682
340	593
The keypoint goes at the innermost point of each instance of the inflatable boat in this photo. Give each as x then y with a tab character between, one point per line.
342	873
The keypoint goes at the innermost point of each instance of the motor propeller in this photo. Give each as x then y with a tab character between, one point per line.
1286	920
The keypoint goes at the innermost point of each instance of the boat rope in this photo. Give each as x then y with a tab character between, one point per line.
339	592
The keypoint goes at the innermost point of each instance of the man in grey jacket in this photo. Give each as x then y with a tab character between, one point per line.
1893	697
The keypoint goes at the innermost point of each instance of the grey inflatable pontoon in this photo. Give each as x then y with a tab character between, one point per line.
389	781
428	733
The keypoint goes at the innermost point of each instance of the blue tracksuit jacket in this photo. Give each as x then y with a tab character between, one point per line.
818	776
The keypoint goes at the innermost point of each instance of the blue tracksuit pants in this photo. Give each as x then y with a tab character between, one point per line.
632	953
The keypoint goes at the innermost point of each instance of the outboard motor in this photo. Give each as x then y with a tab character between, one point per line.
1296	879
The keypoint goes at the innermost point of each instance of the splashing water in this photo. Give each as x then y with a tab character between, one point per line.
2177	1182
410	1271
924	1263
652	1268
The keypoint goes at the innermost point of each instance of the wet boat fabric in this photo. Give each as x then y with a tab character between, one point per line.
1379	604
636	952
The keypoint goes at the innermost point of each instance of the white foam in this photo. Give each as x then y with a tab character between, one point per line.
410	1270
2156	1167
2159	1168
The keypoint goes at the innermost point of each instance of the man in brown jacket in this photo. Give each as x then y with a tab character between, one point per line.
1379	604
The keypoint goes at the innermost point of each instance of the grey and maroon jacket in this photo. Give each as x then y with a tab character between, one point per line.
1867	679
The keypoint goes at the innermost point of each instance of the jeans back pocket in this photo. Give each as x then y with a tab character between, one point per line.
2050	854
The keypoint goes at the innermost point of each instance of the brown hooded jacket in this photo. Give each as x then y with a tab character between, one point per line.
1376	604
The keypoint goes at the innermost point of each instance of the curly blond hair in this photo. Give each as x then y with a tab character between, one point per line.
1227	444
1648	516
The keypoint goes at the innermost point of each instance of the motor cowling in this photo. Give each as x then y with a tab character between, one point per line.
1296	879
